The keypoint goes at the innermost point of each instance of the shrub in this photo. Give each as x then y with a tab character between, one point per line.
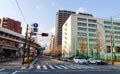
28	60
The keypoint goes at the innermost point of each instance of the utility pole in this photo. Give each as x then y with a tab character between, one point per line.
111	41
111	48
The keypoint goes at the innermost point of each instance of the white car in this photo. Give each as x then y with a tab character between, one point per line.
94	60
80	60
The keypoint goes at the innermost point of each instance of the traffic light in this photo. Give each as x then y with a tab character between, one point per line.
44	34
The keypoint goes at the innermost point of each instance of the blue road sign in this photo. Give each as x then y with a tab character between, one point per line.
35	25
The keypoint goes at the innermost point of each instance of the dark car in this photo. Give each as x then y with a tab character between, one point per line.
102	63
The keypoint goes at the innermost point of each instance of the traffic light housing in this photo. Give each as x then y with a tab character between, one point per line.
44	34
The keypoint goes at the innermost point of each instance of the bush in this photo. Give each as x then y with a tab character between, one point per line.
28	60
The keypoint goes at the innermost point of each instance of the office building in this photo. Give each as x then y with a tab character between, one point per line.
84	25
61	17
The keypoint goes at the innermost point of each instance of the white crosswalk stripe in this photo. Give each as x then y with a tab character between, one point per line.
71	67
57	67
51	66
63	67
2	69
31	67
44	67
24	67
38	67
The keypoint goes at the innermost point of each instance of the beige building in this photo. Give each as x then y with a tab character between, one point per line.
85	25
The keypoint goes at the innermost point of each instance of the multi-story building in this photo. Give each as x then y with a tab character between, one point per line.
90	28
61	17
52	40
11	24
10	37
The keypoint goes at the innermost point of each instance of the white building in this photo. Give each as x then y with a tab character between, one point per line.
85	25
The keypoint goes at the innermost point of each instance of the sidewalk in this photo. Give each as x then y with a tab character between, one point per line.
115	63
9	64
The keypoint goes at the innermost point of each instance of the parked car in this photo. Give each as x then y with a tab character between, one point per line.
93	60
80	60
102	63
63	58
96	61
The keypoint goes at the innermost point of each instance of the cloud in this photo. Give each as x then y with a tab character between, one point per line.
81	9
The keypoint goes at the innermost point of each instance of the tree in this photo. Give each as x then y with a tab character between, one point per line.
82	46
58	51
91	51
99	43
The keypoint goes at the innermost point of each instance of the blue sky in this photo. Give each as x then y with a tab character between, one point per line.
43	12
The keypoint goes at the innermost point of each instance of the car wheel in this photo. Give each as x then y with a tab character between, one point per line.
96	63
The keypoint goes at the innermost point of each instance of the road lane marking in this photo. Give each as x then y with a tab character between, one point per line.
51	66
63	67
31	67
57	67
2	69
71	67
38	67
24	67
45	67
14	72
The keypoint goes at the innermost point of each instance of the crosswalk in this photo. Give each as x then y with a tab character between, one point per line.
62	67
59	67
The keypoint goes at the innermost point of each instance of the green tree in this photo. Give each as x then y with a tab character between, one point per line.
82	45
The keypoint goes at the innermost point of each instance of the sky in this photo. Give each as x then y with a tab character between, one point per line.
43	12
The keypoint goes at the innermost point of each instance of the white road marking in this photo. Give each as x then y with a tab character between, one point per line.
31	67
2	69
71	67
63	67
38	67
45	67
51	66
14	72
24	67
57	67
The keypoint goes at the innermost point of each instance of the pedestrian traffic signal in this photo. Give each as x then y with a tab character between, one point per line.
44	34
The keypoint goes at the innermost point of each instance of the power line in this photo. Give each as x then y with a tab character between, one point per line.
20	11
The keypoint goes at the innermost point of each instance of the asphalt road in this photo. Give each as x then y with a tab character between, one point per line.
53	66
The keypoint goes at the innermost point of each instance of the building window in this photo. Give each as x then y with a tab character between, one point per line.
92	35
91	20
82	29
82	19
117	28
81	24
107	36
116	23
66	24
92	25
81	34
107	22
107	27
108	41
91	40
116	32
106	31
92	30
117	37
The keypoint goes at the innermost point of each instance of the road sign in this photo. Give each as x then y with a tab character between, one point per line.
32	33
35	25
